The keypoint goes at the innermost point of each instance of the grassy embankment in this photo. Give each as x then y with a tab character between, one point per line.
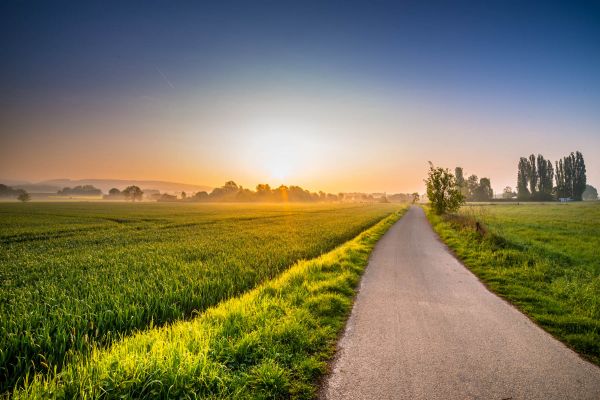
78	275
272	342
544	258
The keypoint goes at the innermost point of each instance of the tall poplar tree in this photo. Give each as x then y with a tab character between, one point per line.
561	183
533	176
571	176
545	179
579	176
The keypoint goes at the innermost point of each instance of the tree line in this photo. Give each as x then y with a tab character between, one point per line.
538	180
232	192
85	190
473	188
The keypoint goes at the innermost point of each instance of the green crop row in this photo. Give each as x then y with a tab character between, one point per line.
75	276
272	342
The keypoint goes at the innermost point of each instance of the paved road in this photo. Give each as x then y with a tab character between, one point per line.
424	327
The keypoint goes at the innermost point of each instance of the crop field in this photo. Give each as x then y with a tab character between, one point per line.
78	276
544	258
271	342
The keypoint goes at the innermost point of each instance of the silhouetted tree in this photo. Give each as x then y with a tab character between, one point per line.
264	192
24	197
561	189
7	191
200	196
85	190
523	179
484	191
545	179
533	176
579	176
416	197
133	193
114	192
571	176
472	188
227	192
460	181
442	190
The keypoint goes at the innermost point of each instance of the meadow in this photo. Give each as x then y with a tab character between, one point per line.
80	276
544	258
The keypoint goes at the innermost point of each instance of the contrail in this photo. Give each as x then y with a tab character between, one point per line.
165	78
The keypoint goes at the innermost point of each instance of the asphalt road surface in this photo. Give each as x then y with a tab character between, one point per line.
424	327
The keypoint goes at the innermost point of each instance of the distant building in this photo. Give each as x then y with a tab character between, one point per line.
565	199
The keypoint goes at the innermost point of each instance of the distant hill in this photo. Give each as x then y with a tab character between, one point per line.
53	185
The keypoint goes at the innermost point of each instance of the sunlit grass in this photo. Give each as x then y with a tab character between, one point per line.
79	275
272	342
544	258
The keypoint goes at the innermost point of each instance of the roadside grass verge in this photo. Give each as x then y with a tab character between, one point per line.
543	260
272	342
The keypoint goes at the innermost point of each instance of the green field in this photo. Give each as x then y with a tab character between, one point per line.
544	258
83	275
272	342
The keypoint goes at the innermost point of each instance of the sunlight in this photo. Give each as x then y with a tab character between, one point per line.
283	150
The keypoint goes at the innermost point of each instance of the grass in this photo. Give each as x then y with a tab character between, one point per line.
544	258
75	276
272	342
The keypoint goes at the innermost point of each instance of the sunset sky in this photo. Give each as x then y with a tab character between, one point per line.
334	96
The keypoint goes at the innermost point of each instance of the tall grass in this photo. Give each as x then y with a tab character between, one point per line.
272	342
75	276
545	259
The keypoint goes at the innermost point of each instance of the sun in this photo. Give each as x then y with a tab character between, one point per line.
280	173
286	151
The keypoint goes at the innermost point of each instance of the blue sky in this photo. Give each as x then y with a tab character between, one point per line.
499	69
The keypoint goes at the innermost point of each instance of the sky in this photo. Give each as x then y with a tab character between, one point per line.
334	96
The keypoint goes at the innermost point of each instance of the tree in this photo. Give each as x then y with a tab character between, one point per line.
545	179
571	176
133	193
590	193
7	191
484	191
579	176
561	183
24	196
200	196
472	186
227	192
114	192
264	192
460	181
508	193
523	179
183	195
442	190
533	176
85	190
415	197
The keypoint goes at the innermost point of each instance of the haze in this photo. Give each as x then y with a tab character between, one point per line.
334	97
